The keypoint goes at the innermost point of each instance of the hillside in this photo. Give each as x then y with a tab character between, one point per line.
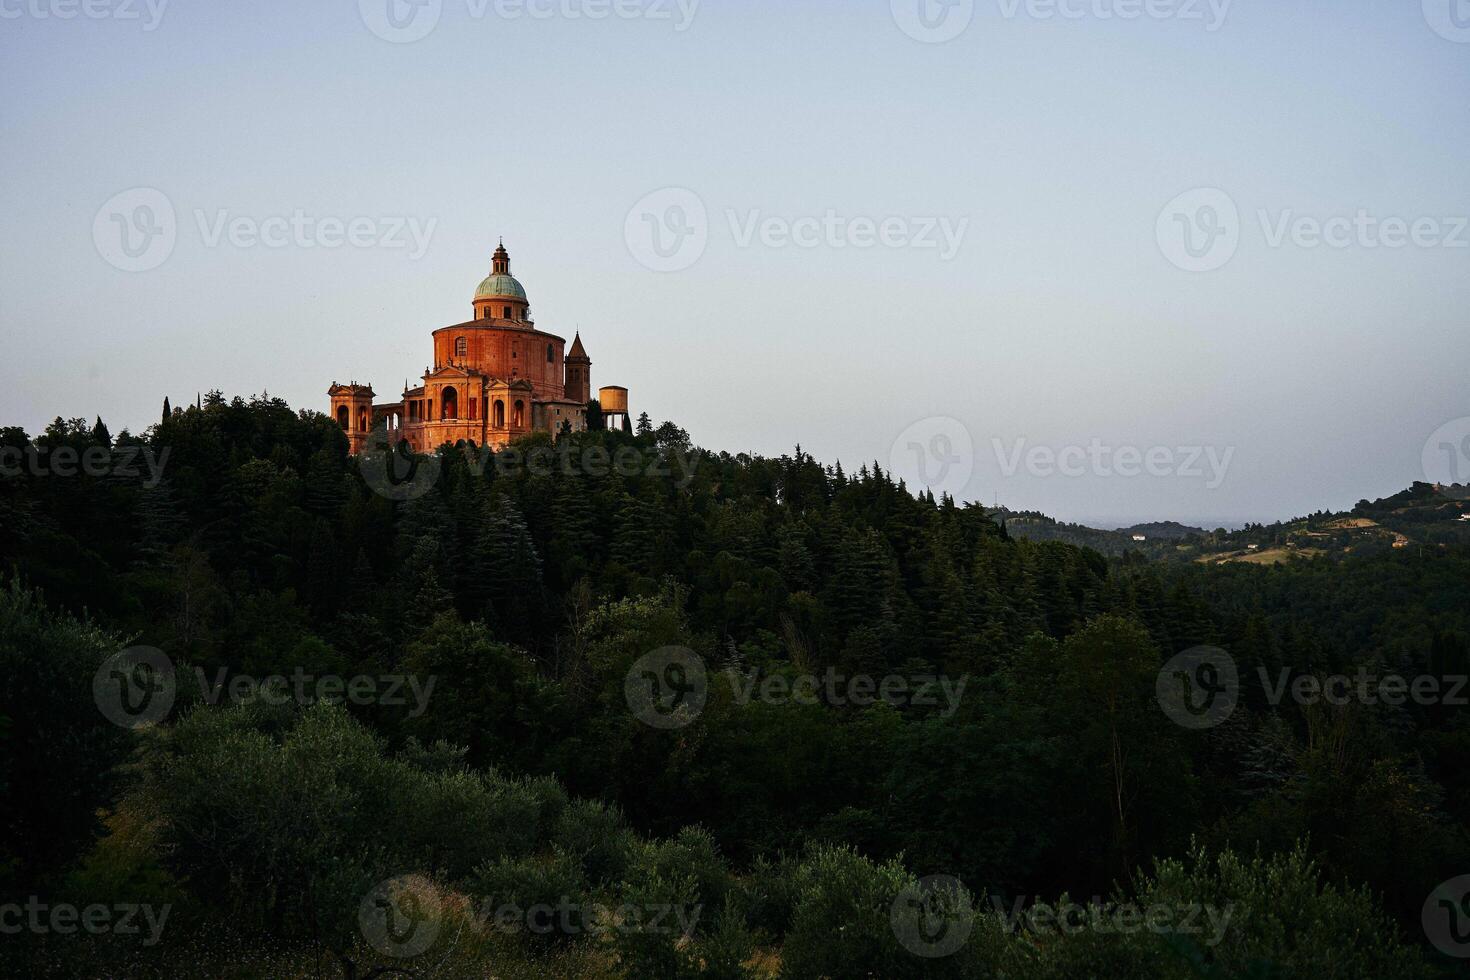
1149	538
1424	515
630	670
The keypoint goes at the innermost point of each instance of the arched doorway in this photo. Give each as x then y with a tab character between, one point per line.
499	414
520	415
450	408
344	418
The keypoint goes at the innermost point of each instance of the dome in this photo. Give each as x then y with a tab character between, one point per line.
500	284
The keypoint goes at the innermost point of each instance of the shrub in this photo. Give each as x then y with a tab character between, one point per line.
543	897
844	923
57	751
726	947
661	952
1260	918
596	836
1283	915
693	852
521	815
767	896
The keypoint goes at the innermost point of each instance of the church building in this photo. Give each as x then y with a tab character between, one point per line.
494	378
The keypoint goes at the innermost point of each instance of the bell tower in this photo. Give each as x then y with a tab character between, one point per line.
579	372
352	407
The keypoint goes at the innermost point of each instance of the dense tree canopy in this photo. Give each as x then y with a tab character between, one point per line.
522	588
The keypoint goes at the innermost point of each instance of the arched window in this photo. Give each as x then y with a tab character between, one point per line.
450	403
499	414
520	415
550	354
461	347
344	418
362	421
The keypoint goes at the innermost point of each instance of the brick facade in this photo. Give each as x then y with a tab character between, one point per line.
493	379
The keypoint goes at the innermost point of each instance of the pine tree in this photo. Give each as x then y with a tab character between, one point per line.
794	561
633	539
321	566
506	553
575	543
326	489
422	590
857	592
160	523
362	587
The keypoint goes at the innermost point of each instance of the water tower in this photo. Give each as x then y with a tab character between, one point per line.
614	401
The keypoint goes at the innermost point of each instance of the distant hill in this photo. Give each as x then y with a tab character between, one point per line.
1424	515
1427	515
1038	527
1161	530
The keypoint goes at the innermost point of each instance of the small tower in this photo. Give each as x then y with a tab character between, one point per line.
579	372
352	407
614	401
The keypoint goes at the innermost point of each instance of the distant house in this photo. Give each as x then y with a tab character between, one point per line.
1252	547
1140	537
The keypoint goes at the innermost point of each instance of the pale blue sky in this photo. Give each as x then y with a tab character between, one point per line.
1059	321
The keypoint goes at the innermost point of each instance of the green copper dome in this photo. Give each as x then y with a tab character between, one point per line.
501	284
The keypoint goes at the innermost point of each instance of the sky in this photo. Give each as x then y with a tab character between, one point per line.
1114	260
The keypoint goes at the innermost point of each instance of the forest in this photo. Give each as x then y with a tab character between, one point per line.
608	704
